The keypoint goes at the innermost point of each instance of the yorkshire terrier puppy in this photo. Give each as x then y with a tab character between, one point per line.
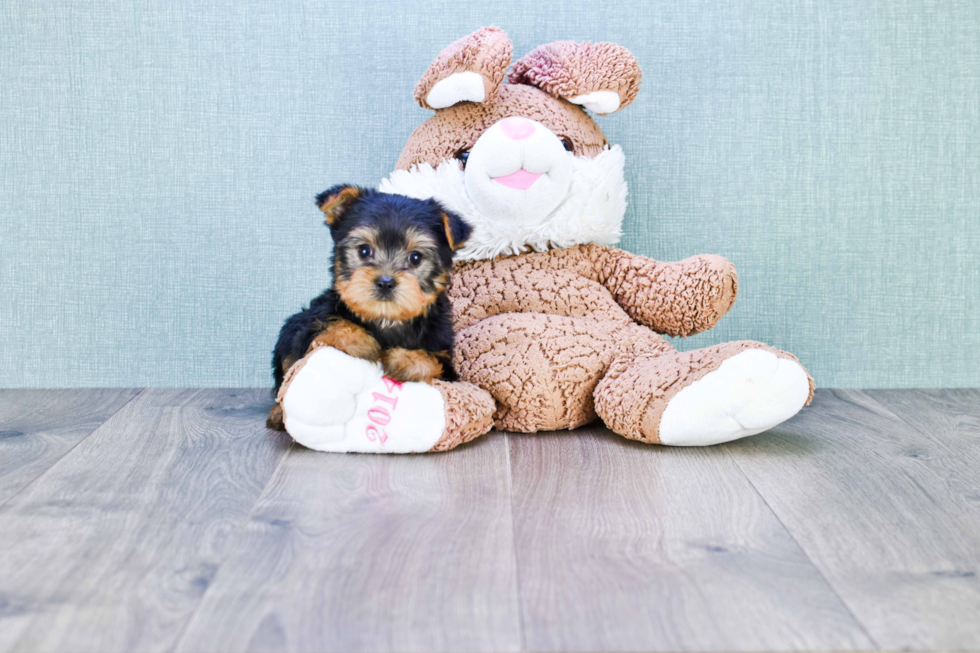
391	261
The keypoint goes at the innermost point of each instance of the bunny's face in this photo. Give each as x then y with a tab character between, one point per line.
523	162
516	152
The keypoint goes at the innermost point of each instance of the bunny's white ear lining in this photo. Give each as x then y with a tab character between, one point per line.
459	87
601	102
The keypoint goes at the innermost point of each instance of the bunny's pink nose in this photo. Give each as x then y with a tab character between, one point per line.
517	128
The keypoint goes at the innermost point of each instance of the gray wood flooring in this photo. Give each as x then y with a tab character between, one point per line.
172	520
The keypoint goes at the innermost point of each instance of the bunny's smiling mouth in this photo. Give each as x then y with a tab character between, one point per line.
520	180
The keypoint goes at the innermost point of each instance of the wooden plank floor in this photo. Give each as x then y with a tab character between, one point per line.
171	520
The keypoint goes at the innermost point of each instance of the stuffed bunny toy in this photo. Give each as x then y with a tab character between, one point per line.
554	325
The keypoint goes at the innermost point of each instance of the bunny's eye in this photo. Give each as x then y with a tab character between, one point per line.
568	145
463	156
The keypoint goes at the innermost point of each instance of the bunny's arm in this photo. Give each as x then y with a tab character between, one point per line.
677	299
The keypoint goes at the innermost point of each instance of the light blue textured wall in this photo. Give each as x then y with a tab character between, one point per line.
158	162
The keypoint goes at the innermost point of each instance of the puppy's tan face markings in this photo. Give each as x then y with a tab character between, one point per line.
428	270
393	277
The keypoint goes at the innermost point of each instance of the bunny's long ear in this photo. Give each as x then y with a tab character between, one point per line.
602	77
470	70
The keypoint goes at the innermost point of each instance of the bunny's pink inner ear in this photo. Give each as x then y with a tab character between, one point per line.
470	70
602	77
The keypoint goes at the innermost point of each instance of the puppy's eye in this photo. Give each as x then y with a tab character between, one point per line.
365	251
567	143
415	259
463	156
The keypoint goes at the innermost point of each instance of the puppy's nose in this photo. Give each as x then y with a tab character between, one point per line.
517	128
385	283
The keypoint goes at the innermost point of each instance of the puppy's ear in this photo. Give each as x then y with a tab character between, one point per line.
335	201
457	230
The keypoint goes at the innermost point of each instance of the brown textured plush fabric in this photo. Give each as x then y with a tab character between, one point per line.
678	299
542	369
456	128
569	69
487	51
634	393
469	413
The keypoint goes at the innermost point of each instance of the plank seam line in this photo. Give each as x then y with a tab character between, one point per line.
513	544
806	555
234	546
897	416
139	391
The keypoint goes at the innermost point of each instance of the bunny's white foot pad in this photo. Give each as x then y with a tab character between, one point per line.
339	403
749	393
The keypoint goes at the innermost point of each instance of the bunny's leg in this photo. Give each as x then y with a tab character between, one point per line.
331	401
542	369
702	397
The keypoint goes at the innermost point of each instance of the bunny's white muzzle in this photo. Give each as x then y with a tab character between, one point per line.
519	171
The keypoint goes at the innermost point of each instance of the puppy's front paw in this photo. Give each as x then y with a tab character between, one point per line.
275	421
349	338
411	365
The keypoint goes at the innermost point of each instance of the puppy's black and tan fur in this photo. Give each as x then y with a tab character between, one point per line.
391	264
